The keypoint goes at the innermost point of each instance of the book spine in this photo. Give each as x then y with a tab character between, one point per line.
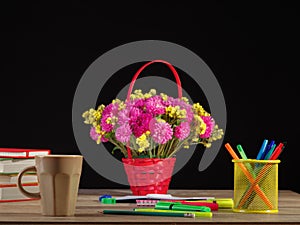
18	200
15	185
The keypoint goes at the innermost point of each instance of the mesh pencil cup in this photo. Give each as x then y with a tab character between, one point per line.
255	186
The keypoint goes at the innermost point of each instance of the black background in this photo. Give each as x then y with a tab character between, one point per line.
251	48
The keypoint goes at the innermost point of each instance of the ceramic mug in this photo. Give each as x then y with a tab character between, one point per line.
58	178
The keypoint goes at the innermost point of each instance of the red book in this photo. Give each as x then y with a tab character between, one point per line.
22	152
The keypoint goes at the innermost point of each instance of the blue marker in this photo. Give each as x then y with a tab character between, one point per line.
268	148
268	155
104	196
262	149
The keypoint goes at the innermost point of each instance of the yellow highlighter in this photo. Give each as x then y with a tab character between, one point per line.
197	214
223	203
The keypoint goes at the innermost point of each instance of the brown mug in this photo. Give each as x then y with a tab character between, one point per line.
58	179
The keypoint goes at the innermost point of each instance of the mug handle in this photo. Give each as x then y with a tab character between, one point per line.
21	188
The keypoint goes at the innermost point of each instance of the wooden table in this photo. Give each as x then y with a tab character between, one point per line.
88	207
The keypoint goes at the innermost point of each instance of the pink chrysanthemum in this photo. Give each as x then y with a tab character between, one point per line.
135	113
210	123
106	126
123	117
161	132
123	133
140	124
93	134
109	111
139	103
155	106
182	131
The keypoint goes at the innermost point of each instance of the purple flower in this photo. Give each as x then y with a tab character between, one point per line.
93	134
161	132
182	131
155	106
210	123
123	133
123	116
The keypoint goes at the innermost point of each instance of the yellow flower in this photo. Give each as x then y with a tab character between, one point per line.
98	129
185	99
147	95
142	142
89	117
200	125
202	128
200	110
164	96
176	112
159	120
152	92
108	120
101	108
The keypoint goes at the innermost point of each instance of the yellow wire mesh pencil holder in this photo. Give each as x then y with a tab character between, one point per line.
255	186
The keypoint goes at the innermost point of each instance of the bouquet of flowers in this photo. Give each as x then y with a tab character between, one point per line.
152	125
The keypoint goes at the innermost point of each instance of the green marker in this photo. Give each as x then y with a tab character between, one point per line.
243	155
177	206
128	212
270	152
197	214
241	151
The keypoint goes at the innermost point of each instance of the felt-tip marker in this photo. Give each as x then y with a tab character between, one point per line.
129	212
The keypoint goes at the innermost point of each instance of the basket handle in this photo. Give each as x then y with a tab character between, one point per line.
138	73
149	63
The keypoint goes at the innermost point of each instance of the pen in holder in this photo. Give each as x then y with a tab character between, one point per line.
255	191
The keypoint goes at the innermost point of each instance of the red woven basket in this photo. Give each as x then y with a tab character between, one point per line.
147	176
152	175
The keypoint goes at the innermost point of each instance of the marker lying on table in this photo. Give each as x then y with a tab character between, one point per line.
197	214
212	205
223	203
181	207
128	212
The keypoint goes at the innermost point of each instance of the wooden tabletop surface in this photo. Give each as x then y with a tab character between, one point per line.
88	211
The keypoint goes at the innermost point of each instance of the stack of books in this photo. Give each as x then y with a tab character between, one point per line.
12	161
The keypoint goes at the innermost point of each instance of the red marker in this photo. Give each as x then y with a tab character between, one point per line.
277	151
212	205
